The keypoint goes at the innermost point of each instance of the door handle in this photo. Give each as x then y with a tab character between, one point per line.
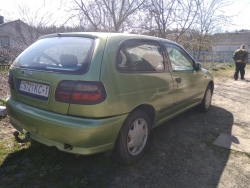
178	80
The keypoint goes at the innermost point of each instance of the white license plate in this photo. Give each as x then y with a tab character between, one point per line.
34	88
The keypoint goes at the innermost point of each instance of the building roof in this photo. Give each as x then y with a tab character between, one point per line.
11	22
20	22
235	38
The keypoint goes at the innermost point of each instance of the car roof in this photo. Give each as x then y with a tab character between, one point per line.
103	34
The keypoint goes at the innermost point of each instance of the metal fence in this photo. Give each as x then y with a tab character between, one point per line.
215	59
4	66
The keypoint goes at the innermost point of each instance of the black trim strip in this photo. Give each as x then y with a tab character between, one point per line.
189	98
182	101
166	108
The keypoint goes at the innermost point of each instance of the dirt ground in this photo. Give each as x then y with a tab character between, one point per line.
181	152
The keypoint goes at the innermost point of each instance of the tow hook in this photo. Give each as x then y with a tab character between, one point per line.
19	140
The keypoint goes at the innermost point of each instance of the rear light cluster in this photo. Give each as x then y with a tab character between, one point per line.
79	92
10	81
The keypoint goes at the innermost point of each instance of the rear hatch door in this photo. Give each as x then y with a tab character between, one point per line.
36	72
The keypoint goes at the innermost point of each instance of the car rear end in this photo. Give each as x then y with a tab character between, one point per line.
57	95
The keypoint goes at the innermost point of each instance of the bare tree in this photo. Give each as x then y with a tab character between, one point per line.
210	17
163	12
185	16
105	15
170	18
119	11
89	11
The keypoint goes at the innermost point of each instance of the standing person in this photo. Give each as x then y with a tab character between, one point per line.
240	57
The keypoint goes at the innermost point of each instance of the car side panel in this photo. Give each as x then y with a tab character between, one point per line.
126	91
189	91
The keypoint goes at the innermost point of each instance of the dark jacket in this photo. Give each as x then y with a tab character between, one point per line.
240	54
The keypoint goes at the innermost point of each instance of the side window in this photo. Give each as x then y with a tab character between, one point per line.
140	55
179	58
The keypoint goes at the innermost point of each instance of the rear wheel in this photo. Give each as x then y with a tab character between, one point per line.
206	102
133	137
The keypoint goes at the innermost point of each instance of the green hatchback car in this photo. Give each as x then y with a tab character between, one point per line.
87	93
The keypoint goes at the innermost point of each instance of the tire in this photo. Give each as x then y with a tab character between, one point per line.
206	102
133	137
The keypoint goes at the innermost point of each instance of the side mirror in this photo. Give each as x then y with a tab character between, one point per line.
198	66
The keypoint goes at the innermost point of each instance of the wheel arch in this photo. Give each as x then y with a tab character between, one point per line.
211	83
149	109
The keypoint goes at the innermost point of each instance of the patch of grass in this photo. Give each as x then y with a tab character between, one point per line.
210	138
8	147
23	163
226	71
248	155
235	153
24	181
4	71
11	170
107	161
2	102
216	65
49	168
79	182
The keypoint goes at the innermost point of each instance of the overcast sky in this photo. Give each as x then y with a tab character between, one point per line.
240	8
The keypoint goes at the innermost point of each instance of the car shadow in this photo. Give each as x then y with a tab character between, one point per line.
186	141
180	153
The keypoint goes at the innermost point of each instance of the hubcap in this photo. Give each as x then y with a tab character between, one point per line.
208	98
137	136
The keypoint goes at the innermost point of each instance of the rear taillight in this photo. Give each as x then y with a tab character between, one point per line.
10	81
79	92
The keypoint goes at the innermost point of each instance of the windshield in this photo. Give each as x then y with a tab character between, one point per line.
57	54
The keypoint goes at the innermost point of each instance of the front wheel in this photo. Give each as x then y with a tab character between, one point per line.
206	102
133	137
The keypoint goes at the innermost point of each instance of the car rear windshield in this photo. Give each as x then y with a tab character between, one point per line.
57	54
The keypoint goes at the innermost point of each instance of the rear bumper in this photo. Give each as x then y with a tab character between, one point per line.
86	136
